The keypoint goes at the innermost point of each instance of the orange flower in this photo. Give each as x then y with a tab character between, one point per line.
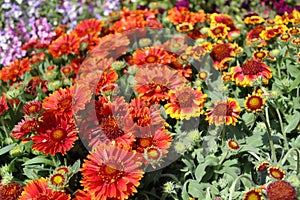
23	128
67	101
57	181
253	20
250	71
253	194
294	31
224	19
272	32
88	27
254	102
15	70
233	145
10	191
111	172
38	189
281	190
3	105
185	103
221	54
151	55
226	112
218	31
182	14
64	45
54	134
276	172
154	83
296	41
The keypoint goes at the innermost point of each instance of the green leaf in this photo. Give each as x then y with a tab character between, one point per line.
7	148
76	166
293	123
294	84
200	171
293	70
30	173
195	190
39	160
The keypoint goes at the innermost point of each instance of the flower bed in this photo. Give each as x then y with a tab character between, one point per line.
153	103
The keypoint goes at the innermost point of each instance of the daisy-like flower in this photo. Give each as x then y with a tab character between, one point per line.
23	128
276	172
216	18
226	112
66	70
203	75
151	55
3	105
262	166
39	189
111	172
54	134
82	195
254	102
254	34
296	41
272	32
154	84
260	54
222	53
254	20
10	191
281	190
64	45
68	100
185	103
57	181
251	71
15	70
182	14
218	31
226	77
32	107
233	145
253	194
184	27
294	31
285	37
88	27
153	145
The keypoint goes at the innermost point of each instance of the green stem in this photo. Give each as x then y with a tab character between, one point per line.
286	144
298	158
232	188
267	122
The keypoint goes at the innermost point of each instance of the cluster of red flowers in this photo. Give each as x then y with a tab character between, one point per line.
126	136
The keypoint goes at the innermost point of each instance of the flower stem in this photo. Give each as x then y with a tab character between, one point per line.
298	158
286	144
267	122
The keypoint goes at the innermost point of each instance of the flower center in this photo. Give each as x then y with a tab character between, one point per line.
252	67
217	30
220	109
109	173
64	47
153	153
66	103
58	134
220	52
27	127
184	99
255	102
57	179
145	142
110	128
151	59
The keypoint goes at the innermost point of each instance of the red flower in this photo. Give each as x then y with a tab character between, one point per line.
250	71
23	128
3	105
111	172
281	190
33	107
83	195
38	189
226	112
54	134
151	55
253	194
88	27
10	191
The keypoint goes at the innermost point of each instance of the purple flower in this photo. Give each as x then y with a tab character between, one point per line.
182	3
